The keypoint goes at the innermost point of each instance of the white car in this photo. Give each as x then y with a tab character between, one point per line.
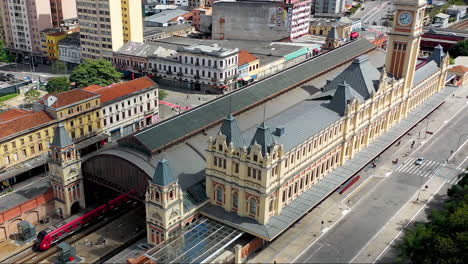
419	161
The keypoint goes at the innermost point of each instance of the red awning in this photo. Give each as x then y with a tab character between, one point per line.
354	34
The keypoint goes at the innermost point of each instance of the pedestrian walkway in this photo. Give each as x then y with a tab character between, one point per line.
427	169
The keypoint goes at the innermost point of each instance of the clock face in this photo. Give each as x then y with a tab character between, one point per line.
405	18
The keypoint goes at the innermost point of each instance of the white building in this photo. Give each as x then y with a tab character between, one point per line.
205	67
127	107
329	7
69	49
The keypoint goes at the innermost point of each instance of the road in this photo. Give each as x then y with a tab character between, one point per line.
39	72
346	240
375	12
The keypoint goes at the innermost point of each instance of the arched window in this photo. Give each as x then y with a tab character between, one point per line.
253	206
56	156
171	194
272	203
219	194
235	200
157	195
68	154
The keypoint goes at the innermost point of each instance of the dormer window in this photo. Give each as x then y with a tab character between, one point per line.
157	196
171	194
220	147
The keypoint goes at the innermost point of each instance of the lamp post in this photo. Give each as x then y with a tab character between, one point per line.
460	135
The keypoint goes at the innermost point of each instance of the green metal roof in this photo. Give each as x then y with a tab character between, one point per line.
206	115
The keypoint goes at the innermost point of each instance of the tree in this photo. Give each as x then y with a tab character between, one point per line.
444	239
99	72
31	96
162	94
5	56
59	67
460	49
57	85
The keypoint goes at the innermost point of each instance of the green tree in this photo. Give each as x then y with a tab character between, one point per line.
460	49
99	72
31	96
444	238
57	85
59	67
5	56
162	94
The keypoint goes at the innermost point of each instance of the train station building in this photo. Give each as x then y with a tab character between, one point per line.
258	159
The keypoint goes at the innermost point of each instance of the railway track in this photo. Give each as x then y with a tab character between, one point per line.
29	255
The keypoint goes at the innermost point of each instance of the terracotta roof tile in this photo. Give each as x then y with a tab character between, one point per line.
459	68
10	114
25	121
245	57
70	97
117	90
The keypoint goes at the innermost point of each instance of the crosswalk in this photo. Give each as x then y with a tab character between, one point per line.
427	169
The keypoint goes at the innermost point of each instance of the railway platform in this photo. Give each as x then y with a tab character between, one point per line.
108	239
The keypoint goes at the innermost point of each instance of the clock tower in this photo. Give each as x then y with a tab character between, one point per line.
404	39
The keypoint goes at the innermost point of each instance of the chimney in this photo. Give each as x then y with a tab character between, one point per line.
279	131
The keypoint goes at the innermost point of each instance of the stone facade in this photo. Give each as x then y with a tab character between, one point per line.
257	180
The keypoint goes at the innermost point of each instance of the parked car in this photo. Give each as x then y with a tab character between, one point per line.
419	161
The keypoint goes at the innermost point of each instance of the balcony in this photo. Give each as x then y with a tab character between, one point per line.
180	74
196	76
169	72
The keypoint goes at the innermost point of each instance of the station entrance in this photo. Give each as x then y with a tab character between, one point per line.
201	243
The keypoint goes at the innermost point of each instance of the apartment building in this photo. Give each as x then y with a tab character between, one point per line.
127	107
203	67
260	20
106	25
22	23
329	8
62	10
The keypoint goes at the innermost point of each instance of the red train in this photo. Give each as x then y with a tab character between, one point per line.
59	231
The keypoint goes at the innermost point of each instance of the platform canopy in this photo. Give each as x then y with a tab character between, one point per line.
199	244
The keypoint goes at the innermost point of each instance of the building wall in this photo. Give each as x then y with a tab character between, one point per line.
70	54
23	21
25	145
249	21
32	211
62	9
323	30
300	17
81	120
131	113
264	185
106	25
132	20
191	67
329	6
52	45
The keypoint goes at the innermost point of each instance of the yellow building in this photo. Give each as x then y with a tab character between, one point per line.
323	27
77	110
132	21
52	44
24	135
248	66
106	30
259	173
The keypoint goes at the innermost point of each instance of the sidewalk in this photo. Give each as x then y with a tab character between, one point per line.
305	232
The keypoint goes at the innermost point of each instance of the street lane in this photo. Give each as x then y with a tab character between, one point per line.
371	213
